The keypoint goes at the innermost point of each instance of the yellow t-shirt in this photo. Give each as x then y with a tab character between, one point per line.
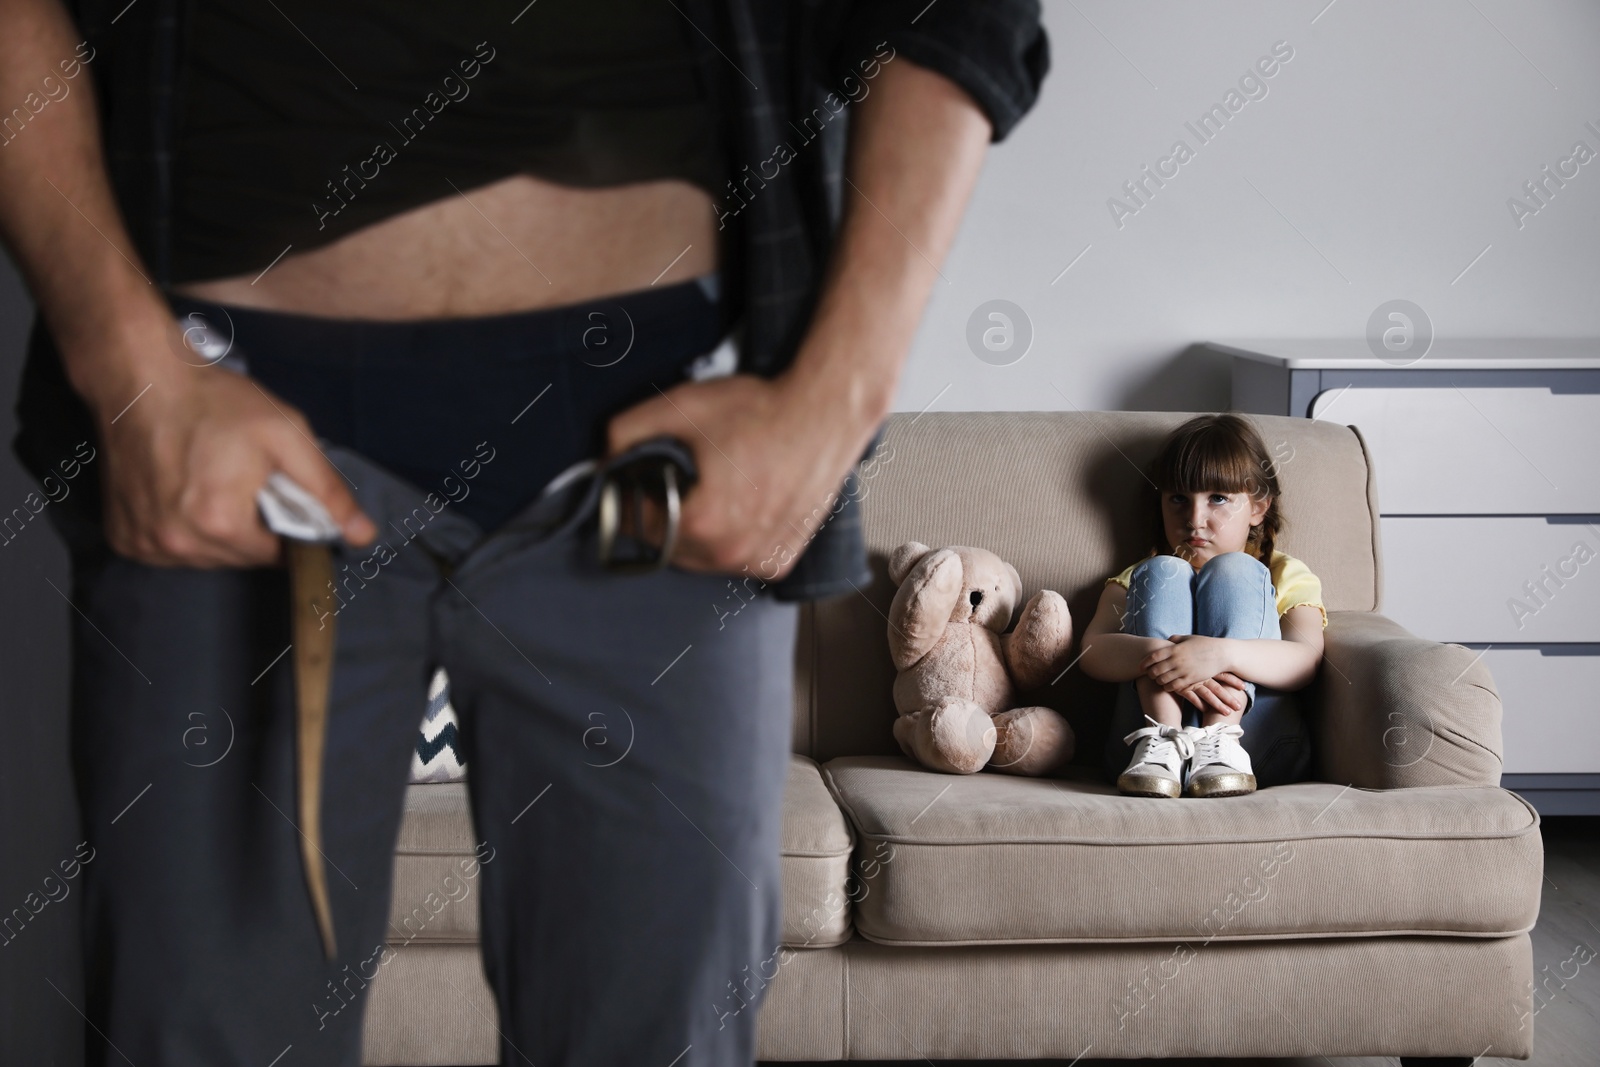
1293	580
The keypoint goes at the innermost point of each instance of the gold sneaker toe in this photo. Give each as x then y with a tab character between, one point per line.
1138	784
1221	784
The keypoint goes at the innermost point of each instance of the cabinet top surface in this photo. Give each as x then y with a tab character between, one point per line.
1477	353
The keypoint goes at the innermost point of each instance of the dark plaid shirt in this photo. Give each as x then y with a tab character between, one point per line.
778	73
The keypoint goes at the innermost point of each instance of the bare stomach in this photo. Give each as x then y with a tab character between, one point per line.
515	245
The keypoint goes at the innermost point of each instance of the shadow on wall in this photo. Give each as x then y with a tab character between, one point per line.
1191	380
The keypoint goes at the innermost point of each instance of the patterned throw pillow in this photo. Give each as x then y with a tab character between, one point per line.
438	754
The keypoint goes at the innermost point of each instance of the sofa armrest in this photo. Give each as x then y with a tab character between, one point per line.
1393	710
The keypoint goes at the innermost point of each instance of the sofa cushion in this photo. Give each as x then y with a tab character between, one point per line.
817	845
437	869
990	859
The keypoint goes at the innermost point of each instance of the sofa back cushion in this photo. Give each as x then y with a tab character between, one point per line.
1062	496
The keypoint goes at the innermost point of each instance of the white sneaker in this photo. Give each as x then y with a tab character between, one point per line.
1220	767
1157	764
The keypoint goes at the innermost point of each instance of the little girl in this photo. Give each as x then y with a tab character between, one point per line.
1216	625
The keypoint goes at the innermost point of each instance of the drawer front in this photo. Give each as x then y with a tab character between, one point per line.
1493	580
1473	451
1551	698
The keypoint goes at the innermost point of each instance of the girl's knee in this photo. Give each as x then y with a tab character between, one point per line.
1163	580
1234	577
1235	565
1162	569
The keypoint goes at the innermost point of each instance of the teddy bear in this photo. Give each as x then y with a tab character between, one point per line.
959	673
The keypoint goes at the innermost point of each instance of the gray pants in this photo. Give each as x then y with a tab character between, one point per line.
627	741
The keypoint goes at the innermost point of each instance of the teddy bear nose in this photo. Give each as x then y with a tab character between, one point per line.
976	597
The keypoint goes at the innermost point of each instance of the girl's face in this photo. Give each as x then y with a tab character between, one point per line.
1201	526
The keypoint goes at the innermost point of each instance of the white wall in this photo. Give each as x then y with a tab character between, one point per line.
1391	142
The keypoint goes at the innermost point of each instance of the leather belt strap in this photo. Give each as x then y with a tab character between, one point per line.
310	577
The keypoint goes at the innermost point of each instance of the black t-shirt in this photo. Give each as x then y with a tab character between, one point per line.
300	122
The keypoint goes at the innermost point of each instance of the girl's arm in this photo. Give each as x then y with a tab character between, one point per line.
1288	663
1109	654
1113	656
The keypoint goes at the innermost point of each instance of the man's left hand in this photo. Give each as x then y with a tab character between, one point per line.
771	455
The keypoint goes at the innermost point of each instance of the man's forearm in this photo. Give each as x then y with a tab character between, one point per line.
917	142
58	217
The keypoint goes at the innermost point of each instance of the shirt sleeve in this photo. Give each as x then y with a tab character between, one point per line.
1124	578
996	50
1297	586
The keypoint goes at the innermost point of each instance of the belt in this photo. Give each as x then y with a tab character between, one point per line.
310	578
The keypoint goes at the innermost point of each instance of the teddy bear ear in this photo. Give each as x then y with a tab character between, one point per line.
1016	583
902	559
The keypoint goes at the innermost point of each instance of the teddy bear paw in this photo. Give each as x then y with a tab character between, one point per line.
954	736
1037	650
1034	741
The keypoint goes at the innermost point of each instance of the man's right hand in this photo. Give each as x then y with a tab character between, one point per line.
185	447
184	461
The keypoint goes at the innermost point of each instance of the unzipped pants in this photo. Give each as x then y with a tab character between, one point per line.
627	742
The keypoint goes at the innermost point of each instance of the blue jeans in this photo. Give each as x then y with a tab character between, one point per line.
1230	596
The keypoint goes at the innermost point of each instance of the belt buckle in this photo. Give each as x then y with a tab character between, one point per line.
640	474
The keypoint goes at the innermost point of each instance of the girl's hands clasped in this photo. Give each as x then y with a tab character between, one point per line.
1196	668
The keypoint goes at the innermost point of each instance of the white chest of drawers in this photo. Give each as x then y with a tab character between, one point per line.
1487	455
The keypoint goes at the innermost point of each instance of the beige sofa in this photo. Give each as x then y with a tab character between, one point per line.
1382	909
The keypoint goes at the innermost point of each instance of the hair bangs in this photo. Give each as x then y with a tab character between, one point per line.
1209	460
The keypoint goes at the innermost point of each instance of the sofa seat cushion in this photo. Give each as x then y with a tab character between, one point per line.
990	858
437	870
817	845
